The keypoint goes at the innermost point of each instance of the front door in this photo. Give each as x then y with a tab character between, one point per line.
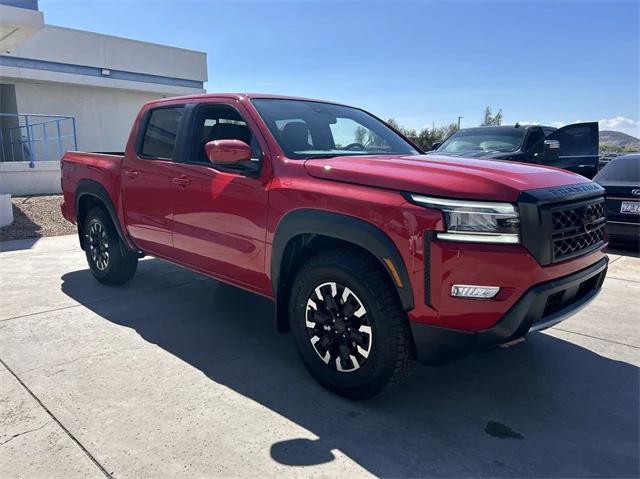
220	212
147	181
574	148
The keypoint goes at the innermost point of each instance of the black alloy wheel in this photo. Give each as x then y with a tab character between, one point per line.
338	327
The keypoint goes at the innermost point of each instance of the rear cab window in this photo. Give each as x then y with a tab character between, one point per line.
161	132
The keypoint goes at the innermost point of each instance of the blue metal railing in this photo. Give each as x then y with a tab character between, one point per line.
32	137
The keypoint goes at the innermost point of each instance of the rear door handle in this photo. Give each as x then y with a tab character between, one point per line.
182	181
131	173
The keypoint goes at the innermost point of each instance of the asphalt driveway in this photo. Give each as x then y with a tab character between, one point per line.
175	375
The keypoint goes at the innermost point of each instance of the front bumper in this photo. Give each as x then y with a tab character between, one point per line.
541	307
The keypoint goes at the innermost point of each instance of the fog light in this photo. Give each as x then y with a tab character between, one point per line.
473	291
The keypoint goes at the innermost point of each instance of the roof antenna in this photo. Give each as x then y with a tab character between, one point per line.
517	125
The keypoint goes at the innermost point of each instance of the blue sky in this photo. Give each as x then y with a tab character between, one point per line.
420	62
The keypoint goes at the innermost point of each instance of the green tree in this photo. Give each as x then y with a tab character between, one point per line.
609	148
393	123
361	135
490	119
425	137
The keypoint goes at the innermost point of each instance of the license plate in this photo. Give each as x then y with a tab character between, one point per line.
632	207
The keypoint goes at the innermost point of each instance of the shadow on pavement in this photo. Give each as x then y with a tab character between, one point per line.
546	408
625	250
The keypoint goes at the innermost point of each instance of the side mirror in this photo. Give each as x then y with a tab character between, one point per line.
551	145
436	145
227	151
551	151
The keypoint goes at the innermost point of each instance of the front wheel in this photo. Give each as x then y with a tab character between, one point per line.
109	260
350	328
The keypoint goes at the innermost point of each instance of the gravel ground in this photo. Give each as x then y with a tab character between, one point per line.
36	216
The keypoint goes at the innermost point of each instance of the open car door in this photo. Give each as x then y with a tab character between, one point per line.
573	147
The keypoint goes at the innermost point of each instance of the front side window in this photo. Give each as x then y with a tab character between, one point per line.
161	132
223	122
308	129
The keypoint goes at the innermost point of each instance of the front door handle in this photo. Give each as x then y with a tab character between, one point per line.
131	173
183	181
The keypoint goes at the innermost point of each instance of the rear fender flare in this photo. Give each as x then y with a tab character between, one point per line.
96	190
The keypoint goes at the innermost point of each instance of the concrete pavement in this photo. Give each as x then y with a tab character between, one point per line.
177	375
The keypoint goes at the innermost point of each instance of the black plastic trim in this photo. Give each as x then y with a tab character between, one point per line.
343	227
562	194
428	238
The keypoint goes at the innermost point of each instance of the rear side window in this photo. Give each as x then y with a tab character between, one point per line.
161	132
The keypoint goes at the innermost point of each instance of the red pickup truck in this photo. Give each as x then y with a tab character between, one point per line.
375	254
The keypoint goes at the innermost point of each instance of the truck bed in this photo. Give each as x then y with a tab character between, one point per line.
103	168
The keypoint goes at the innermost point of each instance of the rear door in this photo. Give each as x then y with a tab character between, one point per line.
577	148
147	175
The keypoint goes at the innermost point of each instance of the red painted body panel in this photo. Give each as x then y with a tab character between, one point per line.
223	224
219	225
104	169
510	267
442	175
146	192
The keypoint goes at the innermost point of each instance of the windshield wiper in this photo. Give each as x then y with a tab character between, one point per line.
326	155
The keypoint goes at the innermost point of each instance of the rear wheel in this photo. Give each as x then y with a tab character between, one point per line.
350	328
109	260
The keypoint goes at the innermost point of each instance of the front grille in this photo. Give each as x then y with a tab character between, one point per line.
557	224
577	228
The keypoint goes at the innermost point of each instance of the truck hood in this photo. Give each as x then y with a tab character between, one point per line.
445	176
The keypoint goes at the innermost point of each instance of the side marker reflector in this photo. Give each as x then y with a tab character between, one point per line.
394	272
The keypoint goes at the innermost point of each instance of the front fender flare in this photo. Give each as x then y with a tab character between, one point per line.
345	228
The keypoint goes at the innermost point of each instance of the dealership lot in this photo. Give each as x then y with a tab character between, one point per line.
176	374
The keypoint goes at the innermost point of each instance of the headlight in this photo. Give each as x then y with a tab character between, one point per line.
476	221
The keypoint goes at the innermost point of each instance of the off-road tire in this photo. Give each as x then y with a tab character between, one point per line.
121	264
391	355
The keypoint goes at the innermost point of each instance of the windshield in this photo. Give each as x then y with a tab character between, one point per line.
490	140
308	129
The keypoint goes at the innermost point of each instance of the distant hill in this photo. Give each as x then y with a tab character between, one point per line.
618	139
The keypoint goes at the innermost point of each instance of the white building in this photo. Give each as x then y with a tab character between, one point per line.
97	80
